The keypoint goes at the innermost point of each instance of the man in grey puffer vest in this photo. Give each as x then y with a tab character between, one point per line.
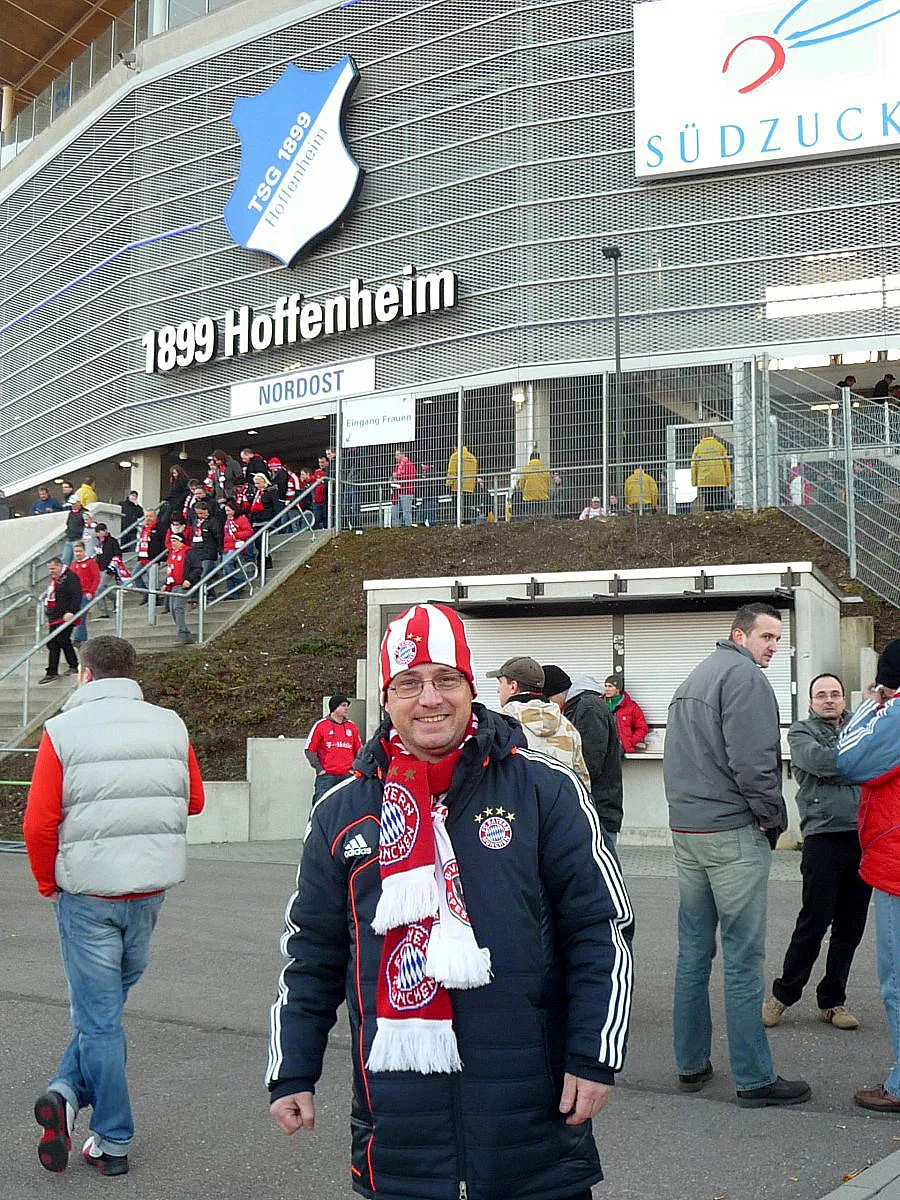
833	892
105	828
722	774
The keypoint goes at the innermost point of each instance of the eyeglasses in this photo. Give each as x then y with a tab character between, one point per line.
408	688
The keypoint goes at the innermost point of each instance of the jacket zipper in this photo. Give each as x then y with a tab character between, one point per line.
460	1144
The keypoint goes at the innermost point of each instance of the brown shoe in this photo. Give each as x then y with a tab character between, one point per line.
772	1011
839	1017
878	1100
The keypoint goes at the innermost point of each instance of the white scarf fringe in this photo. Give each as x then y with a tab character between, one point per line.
456	962
414	1044
406	897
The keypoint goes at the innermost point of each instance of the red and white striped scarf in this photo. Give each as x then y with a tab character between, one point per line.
429	945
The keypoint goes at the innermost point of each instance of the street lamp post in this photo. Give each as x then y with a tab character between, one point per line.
613	254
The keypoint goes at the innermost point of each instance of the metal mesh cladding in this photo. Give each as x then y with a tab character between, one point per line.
497	139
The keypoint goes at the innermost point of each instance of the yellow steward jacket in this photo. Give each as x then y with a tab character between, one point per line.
710	466
469	470
534	481
641	488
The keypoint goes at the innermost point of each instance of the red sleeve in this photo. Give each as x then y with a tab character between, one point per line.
197	795
640	724
315	739
43	814
95	578
357	741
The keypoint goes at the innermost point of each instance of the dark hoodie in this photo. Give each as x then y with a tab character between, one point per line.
588	711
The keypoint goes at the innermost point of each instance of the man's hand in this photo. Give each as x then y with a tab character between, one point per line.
582	1099
874	692
291	1113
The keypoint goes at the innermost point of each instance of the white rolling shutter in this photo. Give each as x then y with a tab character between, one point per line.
662	649
580	645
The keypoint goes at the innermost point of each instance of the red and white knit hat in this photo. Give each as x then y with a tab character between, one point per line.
425	633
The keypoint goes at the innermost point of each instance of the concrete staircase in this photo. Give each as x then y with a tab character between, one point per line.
17	635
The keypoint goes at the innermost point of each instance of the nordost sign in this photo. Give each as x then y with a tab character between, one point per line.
292	319
762	81
299	388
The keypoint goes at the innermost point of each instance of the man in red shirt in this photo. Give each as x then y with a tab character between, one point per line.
332	745
114	782
403	489
88	573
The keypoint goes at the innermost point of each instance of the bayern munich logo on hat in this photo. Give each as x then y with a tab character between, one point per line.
408	986
399	824
405	653
495	833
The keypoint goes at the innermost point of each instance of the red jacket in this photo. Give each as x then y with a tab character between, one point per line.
88	576
321	486
175	568
238	530
403	478
631	723
868	752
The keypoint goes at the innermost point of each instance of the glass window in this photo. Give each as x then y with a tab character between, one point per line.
42	109
103	56
81	74
62	95
181	11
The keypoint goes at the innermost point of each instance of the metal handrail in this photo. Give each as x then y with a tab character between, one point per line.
23	598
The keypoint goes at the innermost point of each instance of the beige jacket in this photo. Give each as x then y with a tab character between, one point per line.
549	731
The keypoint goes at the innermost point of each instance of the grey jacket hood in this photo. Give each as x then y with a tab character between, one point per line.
104	689
585	683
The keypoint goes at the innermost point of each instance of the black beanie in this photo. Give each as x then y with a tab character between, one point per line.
555	680
336	701
889	665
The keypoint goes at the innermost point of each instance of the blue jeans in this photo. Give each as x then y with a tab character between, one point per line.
887	950
323	783
722	880
105	945
80	636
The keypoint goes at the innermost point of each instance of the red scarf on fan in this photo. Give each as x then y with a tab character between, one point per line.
429	945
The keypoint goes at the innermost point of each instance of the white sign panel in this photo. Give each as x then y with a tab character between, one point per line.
725	83
378	421
299	388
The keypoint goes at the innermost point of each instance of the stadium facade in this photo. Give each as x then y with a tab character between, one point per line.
489	156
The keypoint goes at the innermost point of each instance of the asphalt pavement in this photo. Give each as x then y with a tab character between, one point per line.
197	1030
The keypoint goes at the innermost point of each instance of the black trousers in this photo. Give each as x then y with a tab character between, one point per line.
61	644
833	894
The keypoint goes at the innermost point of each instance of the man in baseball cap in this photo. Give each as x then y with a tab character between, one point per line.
422	900
868	753
520	686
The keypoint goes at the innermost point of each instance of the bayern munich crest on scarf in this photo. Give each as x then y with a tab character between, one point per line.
408	985
399	824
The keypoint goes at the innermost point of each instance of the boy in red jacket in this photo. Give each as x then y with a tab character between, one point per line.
88	573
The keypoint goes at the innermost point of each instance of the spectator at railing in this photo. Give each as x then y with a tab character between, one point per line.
320	495
86	493
534	485
264	507
225	477
74	530
68	493
469	475
177	584
593	510
641	491
883	387
206	539
131	513
87	572
62	601
107	550
236	534
178	493
403	489
45	503
711	473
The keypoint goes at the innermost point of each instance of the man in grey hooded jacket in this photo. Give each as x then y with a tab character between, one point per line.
723	784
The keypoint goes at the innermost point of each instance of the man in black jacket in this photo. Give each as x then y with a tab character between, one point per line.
108	549
207	539
490	1018
131	513
583	703
74	530
62	600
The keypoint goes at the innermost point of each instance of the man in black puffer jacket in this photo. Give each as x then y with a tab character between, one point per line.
483	1041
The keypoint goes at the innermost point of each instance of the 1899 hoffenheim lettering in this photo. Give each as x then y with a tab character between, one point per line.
293	319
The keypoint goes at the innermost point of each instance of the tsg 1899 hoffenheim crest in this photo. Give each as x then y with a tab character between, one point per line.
297	176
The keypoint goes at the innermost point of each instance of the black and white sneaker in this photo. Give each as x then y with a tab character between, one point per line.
57	1118
106	1164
